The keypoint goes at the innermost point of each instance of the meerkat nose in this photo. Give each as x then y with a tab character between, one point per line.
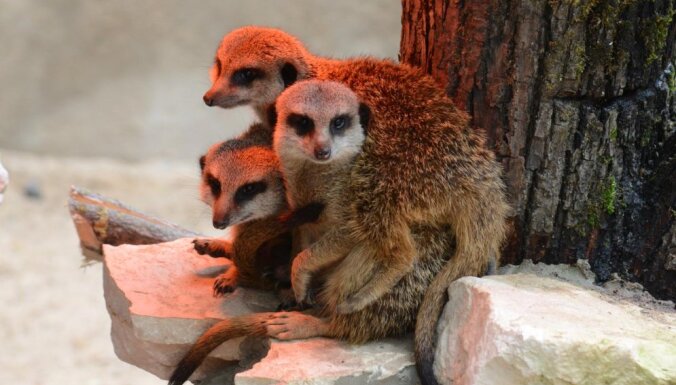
322	153
208	99
221	223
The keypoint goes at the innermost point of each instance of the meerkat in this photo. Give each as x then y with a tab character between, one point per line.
316	139
242	183
422	163
320	130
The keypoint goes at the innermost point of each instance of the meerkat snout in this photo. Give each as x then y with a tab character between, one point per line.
216	96
208	98
221	223
322	152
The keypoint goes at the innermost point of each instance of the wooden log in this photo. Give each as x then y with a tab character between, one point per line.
100	220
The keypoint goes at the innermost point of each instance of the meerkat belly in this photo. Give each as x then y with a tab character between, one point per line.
435	245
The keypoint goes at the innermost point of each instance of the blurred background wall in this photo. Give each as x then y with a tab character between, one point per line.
124	78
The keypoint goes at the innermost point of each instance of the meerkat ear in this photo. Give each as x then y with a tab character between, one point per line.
203	162
289	74
272	116
364	116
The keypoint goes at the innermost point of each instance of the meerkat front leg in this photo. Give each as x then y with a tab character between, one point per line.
226	282
331	247
213	247
394	259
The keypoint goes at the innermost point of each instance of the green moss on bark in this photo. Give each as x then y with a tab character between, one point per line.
609	195
654	32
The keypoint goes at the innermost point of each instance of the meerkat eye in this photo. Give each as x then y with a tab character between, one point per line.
214	185
245	76
248	191
339	124
301	123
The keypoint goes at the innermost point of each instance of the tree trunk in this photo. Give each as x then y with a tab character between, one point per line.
577	100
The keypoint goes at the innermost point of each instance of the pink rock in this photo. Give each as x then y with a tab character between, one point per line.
522	329
325	361
160	300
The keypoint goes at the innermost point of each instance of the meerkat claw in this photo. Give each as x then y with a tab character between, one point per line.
224	285
200	245
210	247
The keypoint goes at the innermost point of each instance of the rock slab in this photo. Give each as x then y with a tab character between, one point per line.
159	300
323	361
522	329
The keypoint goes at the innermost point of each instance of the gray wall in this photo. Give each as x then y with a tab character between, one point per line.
124	78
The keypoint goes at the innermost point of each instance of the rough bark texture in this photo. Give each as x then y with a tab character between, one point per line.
99	220
577	98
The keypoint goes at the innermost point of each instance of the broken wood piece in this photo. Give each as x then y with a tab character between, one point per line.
100	220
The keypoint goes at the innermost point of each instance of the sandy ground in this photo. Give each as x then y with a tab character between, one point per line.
54	326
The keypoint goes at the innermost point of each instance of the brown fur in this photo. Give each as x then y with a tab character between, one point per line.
423	168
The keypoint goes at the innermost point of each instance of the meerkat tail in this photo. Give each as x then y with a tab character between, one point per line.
426	322
492	268
428	316
249	325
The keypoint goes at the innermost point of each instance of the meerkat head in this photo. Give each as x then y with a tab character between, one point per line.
241	182
320	121
253	65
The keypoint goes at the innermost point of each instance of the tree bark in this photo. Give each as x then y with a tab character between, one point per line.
99	220
577	100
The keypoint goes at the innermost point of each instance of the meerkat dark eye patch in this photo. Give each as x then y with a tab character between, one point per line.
246	192
214	185
289	74
339	124
203	162
364	116
301	123
245	76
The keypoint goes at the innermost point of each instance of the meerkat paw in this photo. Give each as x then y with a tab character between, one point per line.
215	248
225	283
295	325
300	283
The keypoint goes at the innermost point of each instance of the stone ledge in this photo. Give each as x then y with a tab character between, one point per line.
522	329
159	299
510	329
